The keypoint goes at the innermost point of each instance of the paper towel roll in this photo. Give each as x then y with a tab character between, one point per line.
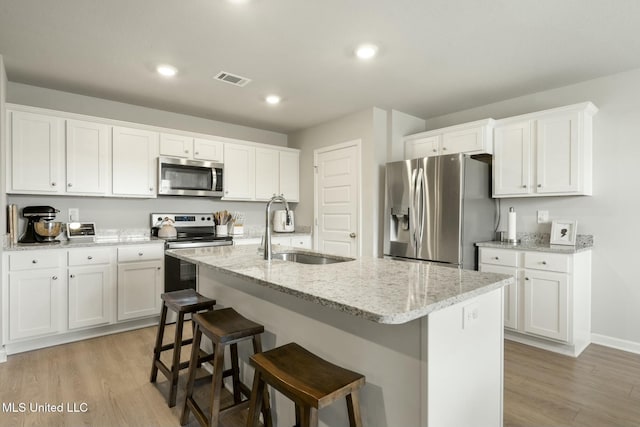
511	225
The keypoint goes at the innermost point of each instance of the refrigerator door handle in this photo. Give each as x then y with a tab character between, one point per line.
412	213
423	204
418	208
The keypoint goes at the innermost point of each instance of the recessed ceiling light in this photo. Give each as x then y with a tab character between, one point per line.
272	99
167	70
366	51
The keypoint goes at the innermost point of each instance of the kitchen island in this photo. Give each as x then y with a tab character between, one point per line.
428	338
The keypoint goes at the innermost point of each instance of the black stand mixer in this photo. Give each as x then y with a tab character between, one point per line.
40	225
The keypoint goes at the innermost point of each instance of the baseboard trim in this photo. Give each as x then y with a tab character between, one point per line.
617	343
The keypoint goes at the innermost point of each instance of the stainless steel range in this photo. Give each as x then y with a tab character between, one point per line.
194	230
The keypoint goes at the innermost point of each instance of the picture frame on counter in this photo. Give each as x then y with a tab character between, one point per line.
563	232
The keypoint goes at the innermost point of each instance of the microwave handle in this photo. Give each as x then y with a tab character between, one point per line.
214	179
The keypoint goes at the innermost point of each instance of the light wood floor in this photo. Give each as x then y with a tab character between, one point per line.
599	388
111	374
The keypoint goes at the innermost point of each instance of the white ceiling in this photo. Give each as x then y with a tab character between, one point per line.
436	56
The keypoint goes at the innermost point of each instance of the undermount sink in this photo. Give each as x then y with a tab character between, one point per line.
309	258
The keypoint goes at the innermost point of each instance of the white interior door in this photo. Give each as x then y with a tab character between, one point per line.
337	196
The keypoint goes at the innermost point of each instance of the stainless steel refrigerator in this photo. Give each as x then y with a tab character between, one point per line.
436	208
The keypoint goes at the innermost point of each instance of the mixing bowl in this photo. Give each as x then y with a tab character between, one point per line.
48	229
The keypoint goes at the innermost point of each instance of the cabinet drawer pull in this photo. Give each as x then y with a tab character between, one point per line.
35	261
89	257
140	254
55	277
72	276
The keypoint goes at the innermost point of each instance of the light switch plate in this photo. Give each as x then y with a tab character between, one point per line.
543	217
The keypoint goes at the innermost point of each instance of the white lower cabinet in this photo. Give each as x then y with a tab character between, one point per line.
91	287
551	299
53	296
140	281
36	290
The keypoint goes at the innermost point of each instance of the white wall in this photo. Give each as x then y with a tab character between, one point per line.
19	93
401	125
3	198
119	213
612	214
369	126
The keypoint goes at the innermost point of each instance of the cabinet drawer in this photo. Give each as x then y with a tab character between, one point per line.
34	260
499	257
89	256
140	253
546	261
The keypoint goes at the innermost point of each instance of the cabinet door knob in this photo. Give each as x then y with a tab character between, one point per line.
69	185
496	258
352	235
35	261
72	275
53	184
158	268
186	151
524	186
539	185
544	263
434	150
55	277
196	153
526	278
140	254
150	188
89	257
444	148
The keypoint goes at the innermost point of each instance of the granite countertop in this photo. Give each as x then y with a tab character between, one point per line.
66	244
380	290
539	242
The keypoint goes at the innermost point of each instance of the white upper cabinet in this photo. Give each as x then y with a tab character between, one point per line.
259	173
512	159
289	178
134	162
176	145
470	138
207	149
239	172
36	158
187	147
267	173
548	153
87	157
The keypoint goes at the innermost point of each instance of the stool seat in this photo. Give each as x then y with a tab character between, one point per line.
182	302
187	301
293	370
308	380
226	325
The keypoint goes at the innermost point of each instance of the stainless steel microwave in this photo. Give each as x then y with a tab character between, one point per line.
182	177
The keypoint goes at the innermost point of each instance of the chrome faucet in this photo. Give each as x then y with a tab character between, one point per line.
267	228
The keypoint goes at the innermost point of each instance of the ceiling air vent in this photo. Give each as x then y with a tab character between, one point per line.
223	76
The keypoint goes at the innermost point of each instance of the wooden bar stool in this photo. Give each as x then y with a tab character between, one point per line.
223	327
309	381
182	302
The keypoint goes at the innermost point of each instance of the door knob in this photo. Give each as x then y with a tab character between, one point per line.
352	235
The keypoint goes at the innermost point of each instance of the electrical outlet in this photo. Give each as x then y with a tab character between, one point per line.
470	314
543	217
74	215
